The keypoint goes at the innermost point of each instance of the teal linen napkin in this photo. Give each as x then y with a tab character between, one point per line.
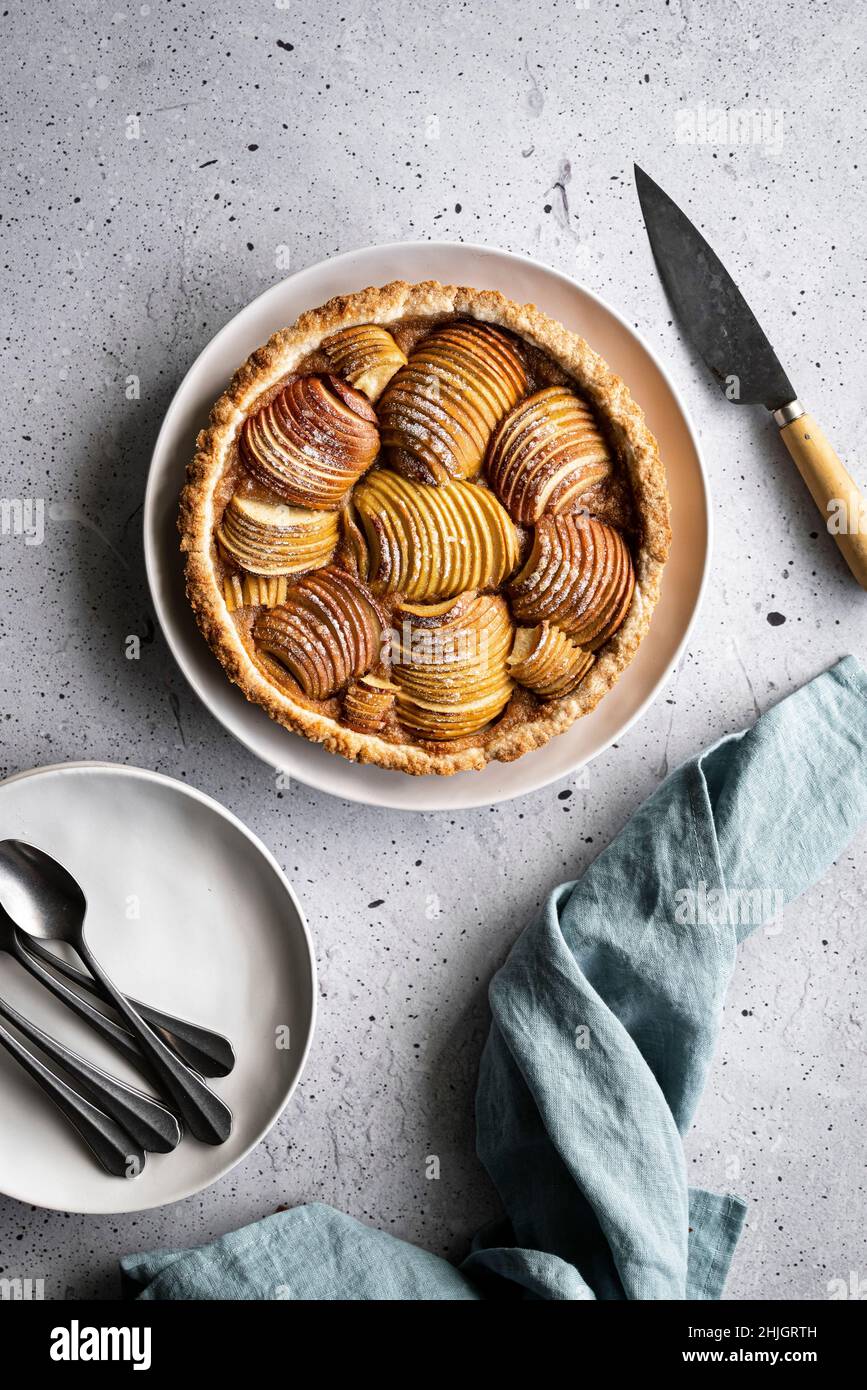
605	1018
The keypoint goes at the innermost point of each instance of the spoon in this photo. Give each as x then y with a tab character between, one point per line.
153	1128
100	1022
44	900
109	1144
208	1053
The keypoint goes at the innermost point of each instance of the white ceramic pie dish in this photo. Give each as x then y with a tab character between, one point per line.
520	279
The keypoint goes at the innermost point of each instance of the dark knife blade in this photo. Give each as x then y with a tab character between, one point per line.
710	306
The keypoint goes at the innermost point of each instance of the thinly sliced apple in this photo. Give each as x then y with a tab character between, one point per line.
450	665
233	592
353	538
367	356
254	591
579	576
311	442
327	631
367	703
545	454
548	662
426	542
459	568
272	538
438	413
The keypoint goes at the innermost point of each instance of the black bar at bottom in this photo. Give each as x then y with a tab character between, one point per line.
267	1338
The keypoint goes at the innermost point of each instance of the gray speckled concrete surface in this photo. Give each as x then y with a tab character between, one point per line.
160	156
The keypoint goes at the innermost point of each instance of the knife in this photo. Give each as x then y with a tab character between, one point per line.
726	333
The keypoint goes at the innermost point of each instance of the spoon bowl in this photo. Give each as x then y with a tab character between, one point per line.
39	894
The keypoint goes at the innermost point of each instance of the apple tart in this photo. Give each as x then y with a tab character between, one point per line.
426	527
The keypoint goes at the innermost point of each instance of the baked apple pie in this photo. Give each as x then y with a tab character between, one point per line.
426	527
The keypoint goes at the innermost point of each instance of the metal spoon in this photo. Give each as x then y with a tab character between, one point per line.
109	1144
106	1027
208	1053
154	1128
44	900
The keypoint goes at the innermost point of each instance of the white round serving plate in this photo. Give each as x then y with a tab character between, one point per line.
187	911
521	279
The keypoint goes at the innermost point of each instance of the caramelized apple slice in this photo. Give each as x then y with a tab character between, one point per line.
450	665
354	543
431	542
579	576
311	442
368	703
273	538
326	632
366	355
254	591
548	662
545	454
439	411
233	592
262	592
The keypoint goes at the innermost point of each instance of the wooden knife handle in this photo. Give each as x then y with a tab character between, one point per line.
833	489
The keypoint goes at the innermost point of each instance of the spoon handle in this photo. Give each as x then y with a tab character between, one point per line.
209	1053
106	1027
149	1123
206	1116
111	1146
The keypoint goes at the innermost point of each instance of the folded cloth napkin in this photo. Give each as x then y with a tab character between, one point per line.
605	1017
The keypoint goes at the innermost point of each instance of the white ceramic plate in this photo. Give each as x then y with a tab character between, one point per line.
186	910
523	280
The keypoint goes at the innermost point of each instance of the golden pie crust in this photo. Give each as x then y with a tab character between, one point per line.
201	507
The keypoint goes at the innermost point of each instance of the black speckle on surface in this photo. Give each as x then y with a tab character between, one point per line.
288	47
564	795
776	619
377	902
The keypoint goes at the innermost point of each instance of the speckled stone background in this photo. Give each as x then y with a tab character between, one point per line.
159	155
